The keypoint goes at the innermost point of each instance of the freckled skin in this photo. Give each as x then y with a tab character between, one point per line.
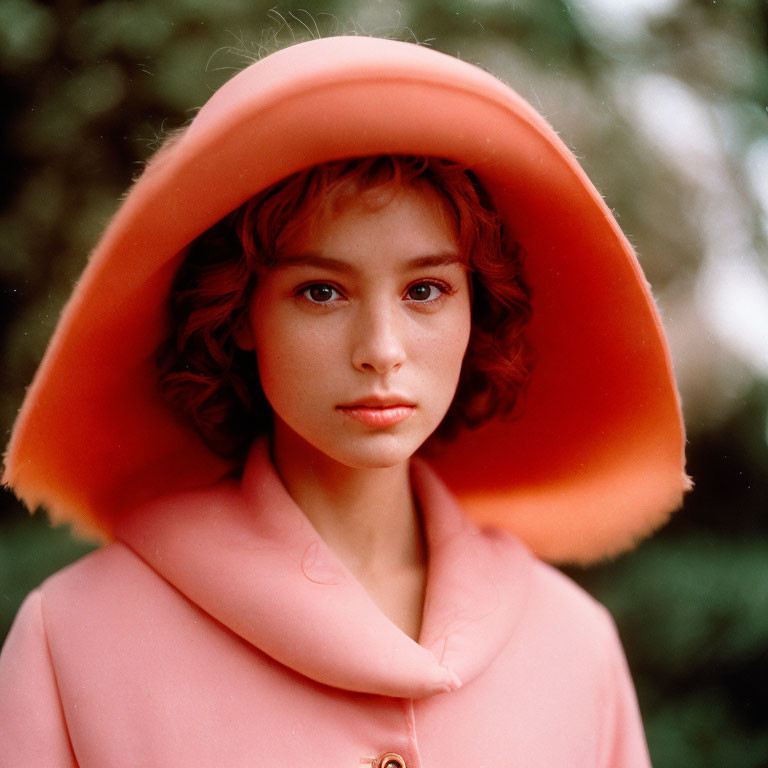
374	324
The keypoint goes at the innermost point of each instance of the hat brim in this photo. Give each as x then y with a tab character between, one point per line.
594	462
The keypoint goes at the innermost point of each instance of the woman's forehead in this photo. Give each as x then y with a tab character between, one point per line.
415	209
411	220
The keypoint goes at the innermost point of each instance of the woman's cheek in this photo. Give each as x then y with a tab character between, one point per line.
295	365
449	340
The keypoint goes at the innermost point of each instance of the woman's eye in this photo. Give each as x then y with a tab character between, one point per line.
424	292
320	293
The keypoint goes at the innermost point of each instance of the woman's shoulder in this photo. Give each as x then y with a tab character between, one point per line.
100	581
560	607
546	586
117	568
76	613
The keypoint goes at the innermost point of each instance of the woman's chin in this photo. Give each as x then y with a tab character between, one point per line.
380	451
373	454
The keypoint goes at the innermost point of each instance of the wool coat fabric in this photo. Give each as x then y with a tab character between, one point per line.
219	630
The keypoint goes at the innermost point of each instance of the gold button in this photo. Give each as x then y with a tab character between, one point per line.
391	760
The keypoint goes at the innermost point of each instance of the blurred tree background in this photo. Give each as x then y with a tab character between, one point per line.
665	102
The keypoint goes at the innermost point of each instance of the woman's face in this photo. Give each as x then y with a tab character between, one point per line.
361	327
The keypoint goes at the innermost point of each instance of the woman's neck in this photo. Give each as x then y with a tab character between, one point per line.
368	517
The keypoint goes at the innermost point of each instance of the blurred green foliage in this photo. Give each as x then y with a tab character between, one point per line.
30	550
90	88
696	630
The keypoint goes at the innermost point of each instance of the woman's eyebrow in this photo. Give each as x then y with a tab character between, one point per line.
339	265
436	260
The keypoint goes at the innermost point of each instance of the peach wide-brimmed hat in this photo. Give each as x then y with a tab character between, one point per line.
596	459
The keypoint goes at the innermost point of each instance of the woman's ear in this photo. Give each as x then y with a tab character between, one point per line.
243	334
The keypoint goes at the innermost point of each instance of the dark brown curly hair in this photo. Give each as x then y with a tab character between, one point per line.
215	384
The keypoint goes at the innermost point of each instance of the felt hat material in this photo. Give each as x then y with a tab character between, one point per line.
594	462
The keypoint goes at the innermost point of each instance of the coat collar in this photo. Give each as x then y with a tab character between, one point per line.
247	555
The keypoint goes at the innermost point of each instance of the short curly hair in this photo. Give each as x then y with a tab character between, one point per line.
214	384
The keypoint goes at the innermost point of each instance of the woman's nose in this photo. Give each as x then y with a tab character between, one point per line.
378	344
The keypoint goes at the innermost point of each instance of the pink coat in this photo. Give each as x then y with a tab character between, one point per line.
219	630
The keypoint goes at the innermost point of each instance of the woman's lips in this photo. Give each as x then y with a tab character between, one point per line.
378	416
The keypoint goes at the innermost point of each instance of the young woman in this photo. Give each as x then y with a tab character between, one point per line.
359	250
